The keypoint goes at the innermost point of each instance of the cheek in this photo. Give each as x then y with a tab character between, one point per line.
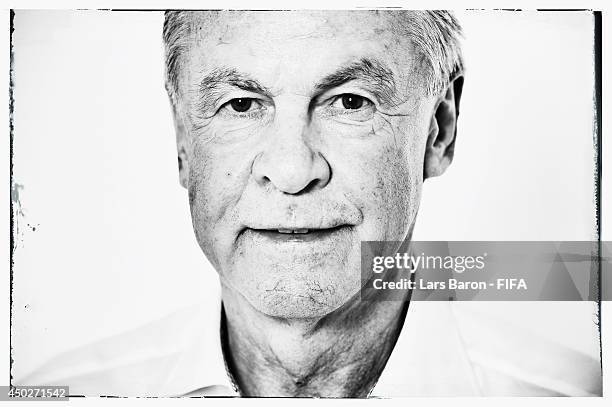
385	173
395	194
402	193
215	185
200	202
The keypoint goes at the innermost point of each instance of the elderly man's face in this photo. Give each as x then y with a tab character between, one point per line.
302	134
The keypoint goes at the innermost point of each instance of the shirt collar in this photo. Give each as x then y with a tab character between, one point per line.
428	358
204	358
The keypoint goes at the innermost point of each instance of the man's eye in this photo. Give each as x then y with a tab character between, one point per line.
241	105
351	107
243	108
350	101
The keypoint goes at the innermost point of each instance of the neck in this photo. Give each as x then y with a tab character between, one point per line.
339	355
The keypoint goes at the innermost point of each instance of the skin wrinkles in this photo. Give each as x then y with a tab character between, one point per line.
360	377
370	73
213	85
201	123
301	159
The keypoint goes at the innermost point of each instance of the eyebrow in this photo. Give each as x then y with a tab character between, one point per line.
372	72
211	85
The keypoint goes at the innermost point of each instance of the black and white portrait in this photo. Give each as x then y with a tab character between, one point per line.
193	193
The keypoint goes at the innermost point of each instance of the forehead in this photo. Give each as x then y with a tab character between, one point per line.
296	43
278	25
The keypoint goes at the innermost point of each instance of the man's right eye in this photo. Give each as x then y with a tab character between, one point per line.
241	105
243	108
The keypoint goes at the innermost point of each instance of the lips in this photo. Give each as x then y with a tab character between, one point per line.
296	235
301	231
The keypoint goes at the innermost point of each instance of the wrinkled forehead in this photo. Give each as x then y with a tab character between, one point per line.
281	25
321	38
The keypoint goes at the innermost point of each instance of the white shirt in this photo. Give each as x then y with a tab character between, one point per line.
444	349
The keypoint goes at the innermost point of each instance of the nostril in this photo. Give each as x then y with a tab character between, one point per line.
293	174
263	180
312	185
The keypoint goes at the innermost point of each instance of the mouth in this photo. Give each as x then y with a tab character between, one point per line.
298	234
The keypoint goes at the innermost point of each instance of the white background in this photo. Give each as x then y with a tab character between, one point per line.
94	151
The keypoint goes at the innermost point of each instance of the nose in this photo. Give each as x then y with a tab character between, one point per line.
289	162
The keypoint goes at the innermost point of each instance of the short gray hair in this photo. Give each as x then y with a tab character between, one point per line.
435	34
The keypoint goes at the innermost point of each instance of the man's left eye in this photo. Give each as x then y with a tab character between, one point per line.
352	107
350	101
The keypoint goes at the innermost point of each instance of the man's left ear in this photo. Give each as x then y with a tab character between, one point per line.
440	146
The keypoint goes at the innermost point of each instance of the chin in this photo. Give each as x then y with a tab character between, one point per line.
292	307
302	292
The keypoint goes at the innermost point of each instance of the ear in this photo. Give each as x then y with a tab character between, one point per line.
440	146
182	147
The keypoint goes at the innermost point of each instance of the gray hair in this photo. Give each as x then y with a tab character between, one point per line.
436	35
